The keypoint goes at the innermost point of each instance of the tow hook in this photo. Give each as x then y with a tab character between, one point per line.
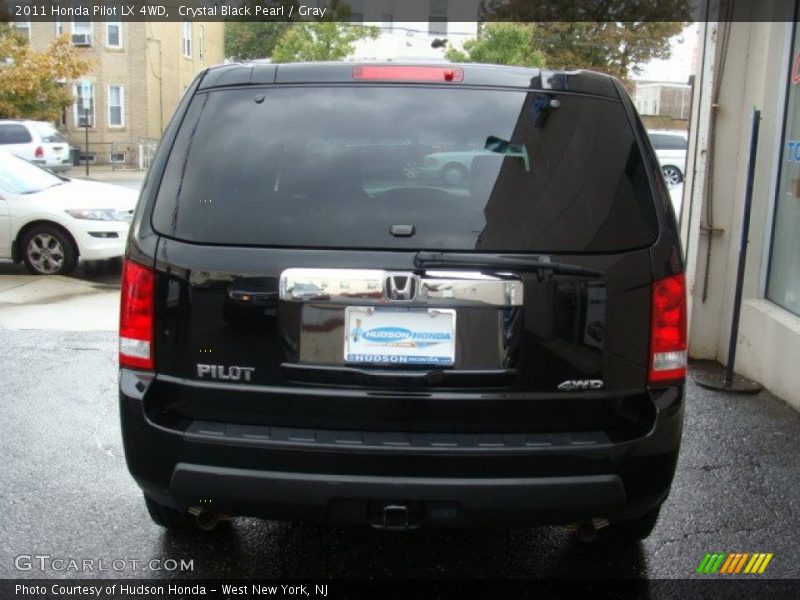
586	531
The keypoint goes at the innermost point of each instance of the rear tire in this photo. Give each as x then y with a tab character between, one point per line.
168	517
48	250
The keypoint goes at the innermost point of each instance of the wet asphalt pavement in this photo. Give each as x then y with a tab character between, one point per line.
65	492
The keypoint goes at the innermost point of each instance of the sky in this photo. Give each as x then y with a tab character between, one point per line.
678	67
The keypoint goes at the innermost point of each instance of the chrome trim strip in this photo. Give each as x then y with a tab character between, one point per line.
367	287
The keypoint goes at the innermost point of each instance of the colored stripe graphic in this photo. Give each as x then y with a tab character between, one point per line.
701	568
711	563
729	562
759	563
733	563
741	562
765	563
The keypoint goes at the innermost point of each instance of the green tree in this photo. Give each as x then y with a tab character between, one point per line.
614	48
604	35
502	44
320	41
32	83
246	40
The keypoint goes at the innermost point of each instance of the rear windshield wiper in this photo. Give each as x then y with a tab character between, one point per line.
539	263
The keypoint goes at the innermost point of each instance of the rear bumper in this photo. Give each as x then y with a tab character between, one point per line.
355	499
351	477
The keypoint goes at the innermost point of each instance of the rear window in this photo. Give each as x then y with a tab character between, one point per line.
49	134
14	133
469	169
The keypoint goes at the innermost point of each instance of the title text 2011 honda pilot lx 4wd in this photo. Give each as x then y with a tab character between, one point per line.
310	330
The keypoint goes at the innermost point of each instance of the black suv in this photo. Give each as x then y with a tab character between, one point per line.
404	295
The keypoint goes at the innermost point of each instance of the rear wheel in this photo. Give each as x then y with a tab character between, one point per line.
168	517
47	250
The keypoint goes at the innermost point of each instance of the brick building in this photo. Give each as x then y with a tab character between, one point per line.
139	73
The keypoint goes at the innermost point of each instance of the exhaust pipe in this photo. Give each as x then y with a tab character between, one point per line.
586	531
206	520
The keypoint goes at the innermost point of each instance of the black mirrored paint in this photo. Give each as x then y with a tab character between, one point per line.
469	169
498	411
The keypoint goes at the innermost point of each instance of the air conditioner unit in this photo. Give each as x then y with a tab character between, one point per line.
81	39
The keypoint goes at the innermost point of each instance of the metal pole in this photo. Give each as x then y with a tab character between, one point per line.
86	129
748	202
709	376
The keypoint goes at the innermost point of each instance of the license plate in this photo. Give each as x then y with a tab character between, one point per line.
410	336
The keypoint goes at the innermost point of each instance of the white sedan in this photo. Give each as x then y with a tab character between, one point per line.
50	222
670	147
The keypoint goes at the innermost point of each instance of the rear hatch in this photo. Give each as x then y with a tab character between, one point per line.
404	258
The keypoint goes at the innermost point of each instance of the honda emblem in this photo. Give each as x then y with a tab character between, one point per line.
400	288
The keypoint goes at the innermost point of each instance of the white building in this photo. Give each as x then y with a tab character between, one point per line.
752	62
663	99
405	37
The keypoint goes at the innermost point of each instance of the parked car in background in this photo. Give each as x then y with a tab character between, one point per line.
36	141
670	147
453	168
49	222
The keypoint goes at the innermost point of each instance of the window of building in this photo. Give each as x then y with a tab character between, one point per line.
114	34
91	156
24	27
116	106
437	17
117	157
783	277
82	32
187	40
83	91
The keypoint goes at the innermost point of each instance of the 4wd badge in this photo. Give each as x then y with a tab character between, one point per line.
573	385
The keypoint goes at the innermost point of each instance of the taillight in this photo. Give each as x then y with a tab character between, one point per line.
39	152
403	73
136	317
668	330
